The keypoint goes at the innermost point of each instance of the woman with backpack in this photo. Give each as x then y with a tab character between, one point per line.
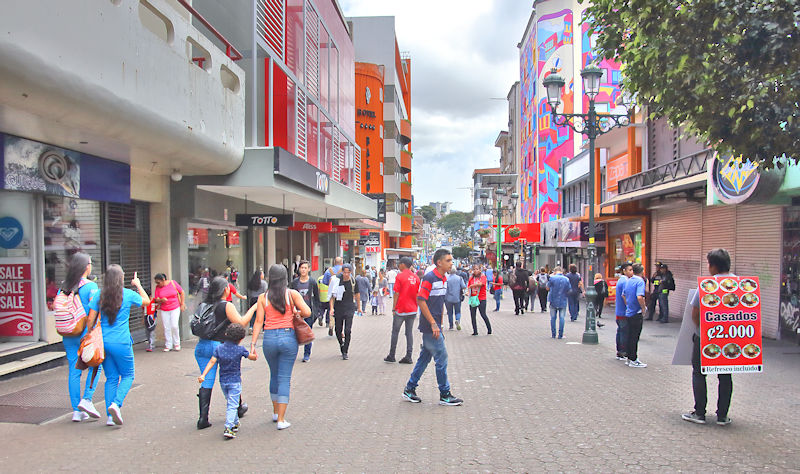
541	282
601	287
224	313
171	300
78	268
114	307
275	314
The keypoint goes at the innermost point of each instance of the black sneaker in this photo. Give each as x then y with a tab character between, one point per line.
693	417
411	396
723	420
406	360
229	433
449	399
330	331
389	359
344	356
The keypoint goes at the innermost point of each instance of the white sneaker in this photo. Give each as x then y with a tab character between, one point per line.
636	363
110	421
166	349
86	406
282	425
274	417
115	414
78	416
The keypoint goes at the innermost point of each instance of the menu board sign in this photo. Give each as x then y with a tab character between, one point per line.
730	325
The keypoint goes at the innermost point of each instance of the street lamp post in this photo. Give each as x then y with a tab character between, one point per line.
499	213
592	125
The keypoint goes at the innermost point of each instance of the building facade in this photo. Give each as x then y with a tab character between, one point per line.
88	148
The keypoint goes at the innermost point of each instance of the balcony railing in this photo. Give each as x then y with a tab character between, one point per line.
685	167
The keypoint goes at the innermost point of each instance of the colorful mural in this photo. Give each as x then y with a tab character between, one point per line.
527	174
609	95
554	44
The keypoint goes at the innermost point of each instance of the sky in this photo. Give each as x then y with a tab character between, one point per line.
464	57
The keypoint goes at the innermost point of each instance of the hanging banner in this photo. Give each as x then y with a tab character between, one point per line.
730	325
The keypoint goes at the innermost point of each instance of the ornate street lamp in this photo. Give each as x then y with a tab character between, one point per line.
592	125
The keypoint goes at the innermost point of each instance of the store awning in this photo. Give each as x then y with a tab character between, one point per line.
258	181
397	253
659	190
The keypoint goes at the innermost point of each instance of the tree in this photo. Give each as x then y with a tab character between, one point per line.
456	222
461	252
727	70
427	212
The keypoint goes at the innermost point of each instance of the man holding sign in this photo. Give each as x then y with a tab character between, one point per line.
719	265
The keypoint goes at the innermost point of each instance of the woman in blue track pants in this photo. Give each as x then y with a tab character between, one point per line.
78	268
114	305
218	292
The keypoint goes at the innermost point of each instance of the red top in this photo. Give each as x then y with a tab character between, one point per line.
482	291
275	320
231	293
406	286
496	285
170	292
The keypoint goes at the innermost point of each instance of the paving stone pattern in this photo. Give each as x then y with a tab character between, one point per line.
532	404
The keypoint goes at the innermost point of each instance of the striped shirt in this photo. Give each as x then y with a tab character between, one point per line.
432	290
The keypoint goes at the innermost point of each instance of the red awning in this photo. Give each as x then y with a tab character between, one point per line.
528	232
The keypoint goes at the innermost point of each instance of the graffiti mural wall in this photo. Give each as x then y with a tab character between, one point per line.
528	175
609	95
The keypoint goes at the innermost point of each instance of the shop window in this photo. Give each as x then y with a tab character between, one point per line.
70	226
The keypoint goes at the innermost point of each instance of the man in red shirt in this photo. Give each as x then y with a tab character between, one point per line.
404	308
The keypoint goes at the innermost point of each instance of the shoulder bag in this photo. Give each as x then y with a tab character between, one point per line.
91	352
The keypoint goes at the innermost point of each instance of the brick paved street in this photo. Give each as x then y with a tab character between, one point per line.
531	404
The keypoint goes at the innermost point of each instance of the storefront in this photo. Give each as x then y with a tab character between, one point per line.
625	243
790	276
57	202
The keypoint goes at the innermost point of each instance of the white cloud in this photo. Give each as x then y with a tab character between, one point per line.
463	54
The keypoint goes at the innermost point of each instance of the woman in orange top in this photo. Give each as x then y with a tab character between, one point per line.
275	312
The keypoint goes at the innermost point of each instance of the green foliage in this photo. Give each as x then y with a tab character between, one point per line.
456	222
428	213
461	252
727	70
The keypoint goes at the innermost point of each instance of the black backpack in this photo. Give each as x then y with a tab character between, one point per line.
204	322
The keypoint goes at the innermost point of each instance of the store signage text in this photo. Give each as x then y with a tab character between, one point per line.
265	220
366	113
16	309
301	172
312	226
372	249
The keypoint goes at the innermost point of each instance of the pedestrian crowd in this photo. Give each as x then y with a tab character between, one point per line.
285	310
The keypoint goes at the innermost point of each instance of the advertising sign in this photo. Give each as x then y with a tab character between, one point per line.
16	308
312	226
730	325
616	169
372	249
264	220
372	239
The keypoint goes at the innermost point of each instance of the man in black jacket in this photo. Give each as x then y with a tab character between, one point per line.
663	282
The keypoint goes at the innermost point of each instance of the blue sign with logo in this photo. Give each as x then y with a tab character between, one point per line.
10	233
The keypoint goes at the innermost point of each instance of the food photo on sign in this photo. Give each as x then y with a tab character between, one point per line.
730	325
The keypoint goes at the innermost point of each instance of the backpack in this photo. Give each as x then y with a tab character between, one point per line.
69	313
204	322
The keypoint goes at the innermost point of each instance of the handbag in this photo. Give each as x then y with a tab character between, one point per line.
91	352
302	330
474	301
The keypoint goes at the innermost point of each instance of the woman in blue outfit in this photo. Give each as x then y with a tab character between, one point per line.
114	305
224	310
78	268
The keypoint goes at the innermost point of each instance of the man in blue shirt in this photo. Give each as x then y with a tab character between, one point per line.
626	269
431	296
558	287
334	270
634	303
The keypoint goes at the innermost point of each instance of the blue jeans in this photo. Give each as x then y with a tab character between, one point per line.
280	350
431	348
118	366
560	313
574	306
453	308
622	336
203	352
232	393
71	345
307	348
497	295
